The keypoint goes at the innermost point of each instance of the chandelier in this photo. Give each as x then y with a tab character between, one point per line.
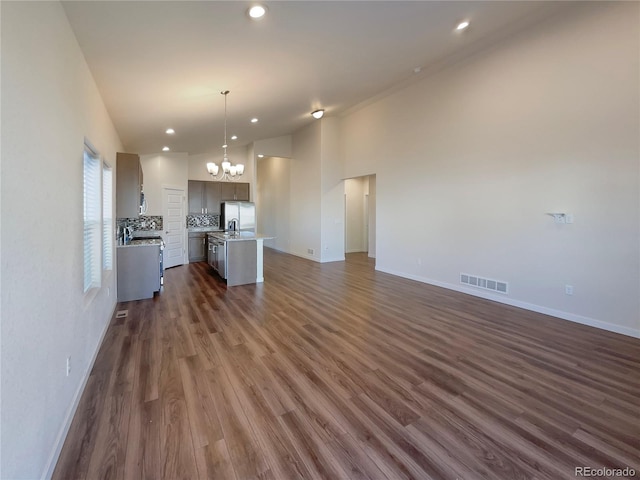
229	171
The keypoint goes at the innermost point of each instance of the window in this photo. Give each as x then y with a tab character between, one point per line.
92	219
107	217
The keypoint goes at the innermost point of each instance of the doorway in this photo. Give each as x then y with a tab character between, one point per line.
174	232
360	212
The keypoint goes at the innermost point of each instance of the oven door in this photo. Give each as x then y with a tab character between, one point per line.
161	265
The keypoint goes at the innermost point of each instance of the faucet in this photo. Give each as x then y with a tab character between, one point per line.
233	225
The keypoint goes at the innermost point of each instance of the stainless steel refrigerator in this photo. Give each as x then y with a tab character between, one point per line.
238	216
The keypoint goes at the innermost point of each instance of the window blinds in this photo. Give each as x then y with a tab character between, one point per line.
107	218
92	220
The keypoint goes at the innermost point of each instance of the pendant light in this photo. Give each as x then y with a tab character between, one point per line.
229	171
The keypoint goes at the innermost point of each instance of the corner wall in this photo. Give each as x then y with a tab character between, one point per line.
332	191
50	104
273	200
546	121
305	212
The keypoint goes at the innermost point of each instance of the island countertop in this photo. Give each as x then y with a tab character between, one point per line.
239	236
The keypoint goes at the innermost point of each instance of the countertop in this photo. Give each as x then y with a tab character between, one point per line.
142	242
203	229
239	237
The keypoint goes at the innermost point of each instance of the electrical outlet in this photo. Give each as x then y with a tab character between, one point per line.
68	366
419	261
568	289
108	291
310	251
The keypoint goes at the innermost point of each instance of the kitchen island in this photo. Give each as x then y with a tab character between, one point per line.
237	256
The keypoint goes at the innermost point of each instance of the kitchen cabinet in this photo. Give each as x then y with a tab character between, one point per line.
212	198
237	258
139	272
204	197
197	247
195	196
128	185
234	191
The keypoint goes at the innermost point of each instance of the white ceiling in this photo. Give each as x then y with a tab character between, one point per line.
161	64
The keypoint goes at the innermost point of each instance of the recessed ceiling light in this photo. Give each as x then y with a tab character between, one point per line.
260	155
165	149
254	120
462	25
170	131
234	137
257	11
317	114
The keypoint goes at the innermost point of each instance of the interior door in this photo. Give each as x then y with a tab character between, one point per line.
173	200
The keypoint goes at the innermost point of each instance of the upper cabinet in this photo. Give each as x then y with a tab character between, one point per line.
206	197
212	197
196	200
234	191
128	185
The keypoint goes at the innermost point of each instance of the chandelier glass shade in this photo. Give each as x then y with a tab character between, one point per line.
226	170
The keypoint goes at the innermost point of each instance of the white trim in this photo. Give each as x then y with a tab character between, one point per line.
259	260
332	259
174	187
572	317
64	430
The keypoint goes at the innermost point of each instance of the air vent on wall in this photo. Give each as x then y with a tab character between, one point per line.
485	283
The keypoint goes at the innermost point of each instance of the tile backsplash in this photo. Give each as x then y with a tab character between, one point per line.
141	223
203	221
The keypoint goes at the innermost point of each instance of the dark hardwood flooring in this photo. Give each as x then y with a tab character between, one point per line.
336	371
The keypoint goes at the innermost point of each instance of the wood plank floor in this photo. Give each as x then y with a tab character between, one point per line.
336	371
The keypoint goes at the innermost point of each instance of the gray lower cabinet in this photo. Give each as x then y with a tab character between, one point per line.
197	247
138	272
241	262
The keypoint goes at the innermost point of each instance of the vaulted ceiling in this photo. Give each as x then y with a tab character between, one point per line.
161	64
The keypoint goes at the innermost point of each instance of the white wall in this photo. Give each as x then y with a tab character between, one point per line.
50	103
372	216
305	212
273	200
198	163
163	169
332	191
546	121
274	147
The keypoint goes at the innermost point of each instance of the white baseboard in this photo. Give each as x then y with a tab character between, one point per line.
592	322
332	259
64	430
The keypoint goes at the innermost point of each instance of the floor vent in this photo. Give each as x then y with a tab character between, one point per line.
122	313
485	283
